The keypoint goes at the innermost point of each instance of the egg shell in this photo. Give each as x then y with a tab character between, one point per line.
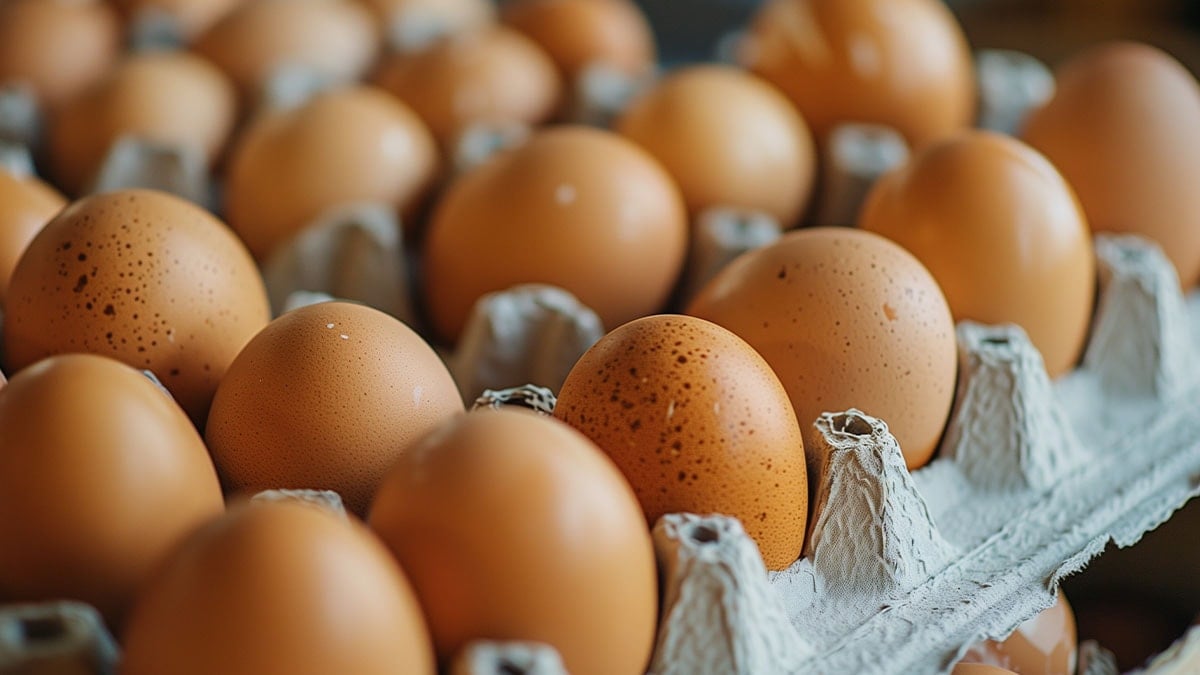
278	587
490	75
847	319
580	33
1045	644
191	17
728	139
579	208
1001	232
354	144
900	63
26	205
173	98
512	526
698	423
1123	127
978	669
143	277
326	397
101	475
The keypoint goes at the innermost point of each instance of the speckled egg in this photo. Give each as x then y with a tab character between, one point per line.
26	205
699	423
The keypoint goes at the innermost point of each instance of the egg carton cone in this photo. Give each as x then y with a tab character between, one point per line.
601	92
1181	658
20	116
508	658
134	162
325	499
479	141
529	396
57	638
15	159
155	29
852	159
1096	660
719	235
1010	83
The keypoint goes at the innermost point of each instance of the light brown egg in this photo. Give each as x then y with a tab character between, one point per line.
490	75
278	587
327	397
1043	645
579	33
978	669
101	475
729	139
191	17
1124	129
173	98
514	526
448	16
847	319
697	422
143	277
1001	232
26	205
335	39
575	207
901	63
57	47
355	144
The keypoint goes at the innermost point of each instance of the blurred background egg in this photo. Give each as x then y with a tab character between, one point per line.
513	526
1043	645
26	205
1124	129
698	423
1001	232
979	669
847	319
278	587
190	17
101	475
582	33
145	278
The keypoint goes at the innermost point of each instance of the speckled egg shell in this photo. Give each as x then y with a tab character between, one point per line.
26	205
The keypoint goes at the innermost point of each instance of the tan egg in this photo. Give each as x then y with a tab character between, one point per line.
728	139
978	669
57	47
901	63
174	98
450	16
1043	645
26	205
335	39
1002	233
575	207
191	17
278	587
580	33
698	423
491	75
143	277
1124	129
847	319
101	475
355	144
514	527
327	397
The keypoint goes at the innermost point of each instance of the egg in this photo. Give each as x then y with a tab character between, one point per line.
1123	127
326	397
172	98
56	48
101	475
581	33
26	205
978	669
847	319
1044	644
728	139
446	16
190	17
143	277
900	63
698	423
1001	232
278	587
574	207
354	144
490	75
513	526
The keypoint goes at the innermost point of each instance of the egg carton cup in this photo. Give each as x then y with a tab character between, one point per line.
138	162
56	638
155	29
20	116
479	141
508	658
852	159
600	92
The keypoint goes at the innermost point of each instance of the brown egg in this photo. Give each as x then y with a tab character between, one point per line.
355	144
575	207
847	319
697	422
728	139
900	63
57	47
580	33
1124	130
173	98
449	16
327	397
513	526
145	278
191	17
978	669
278	587
1043	645
26	205
1001	232
491	75
101	475
335	39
